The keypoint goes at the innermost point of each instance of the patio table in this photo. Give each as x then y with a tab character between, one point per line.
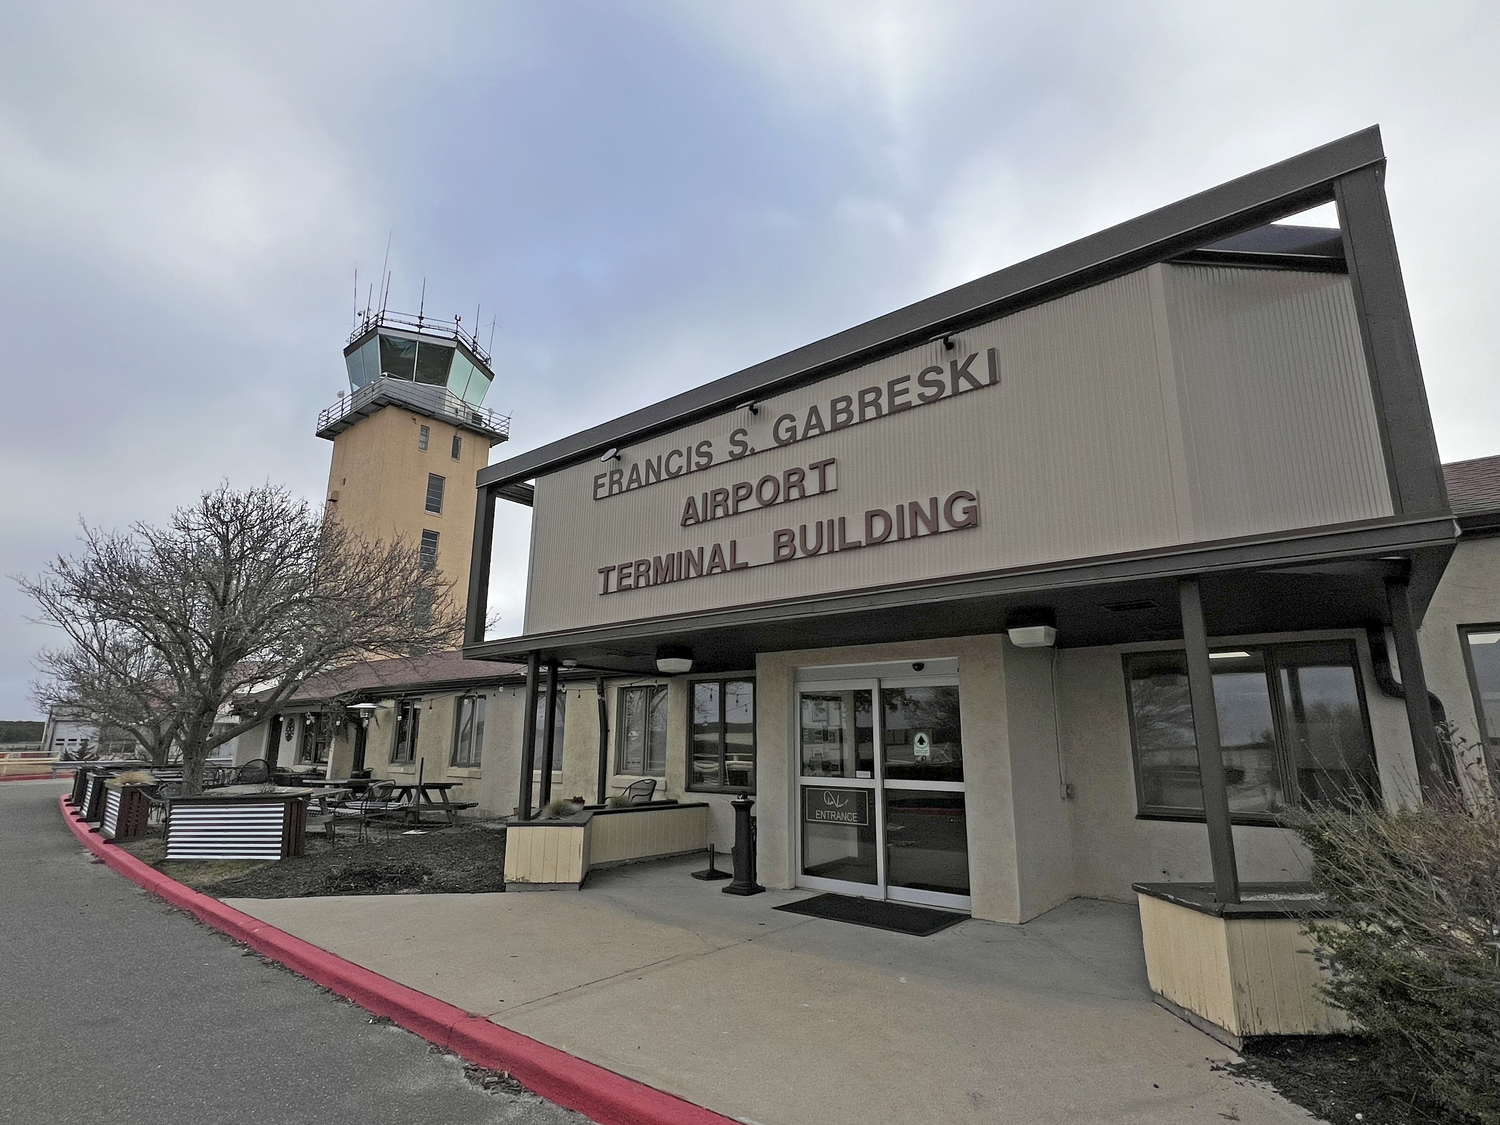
417	796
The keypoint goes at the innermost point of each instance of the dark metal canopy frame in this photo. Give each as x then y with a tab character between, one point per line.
1381	571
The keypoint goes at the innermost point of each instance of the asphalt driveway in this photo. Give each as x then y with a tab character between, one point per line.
120	1009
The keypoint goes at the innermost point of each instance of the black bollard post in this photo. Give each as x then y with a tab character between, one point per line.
744	850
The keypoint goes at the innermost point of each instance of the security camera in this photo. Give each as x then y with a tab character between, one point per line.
918	666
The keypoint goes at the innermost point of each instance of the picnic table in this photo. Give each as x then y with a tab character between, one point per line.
417	797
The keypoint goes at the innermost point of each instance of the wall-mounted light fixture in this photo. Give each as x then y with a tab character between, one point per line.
751	406
1031	628
363	711
674	660
610	454
570	664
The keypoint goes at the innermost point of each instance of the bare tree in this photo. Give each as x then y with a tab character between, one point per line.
115	681
240	599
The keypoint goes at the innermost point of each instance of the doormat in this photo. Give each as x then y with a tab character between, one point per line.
898	917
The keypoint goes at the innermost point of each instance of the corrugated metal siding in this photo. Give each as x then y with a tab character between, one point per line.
1068	457
1175	404
110	823
230	831
1279	424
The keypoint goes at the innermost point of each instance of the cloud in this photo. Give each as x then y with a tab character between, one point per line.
644	197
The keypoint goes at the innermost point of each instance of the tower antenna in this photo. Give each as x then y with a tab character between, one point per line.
385	298
492	335
422	306
356	297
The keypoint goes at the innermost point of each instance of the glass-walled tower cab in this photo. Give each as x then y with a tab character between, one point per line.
418	350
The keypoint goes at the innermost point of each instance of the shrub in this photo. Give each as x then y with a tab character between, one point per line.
1415	951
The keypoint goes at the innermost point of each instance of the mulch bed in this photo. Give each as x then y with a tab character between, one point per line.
1338	1078
464	860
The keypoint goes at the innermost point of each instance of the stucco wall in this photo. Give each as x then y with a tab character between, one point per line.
1469	594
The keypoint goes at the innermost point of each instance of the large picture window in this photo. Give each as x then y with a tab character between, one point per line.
468	731
541	729
642	723
1293	730
408	719
722	736
1482	657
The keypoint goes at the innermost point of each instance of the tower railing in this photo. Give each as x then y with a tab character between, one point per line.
439	402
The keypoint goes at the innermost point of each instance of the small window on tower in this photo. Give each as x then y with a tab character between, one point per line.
458	444
435	493
427	554
422	435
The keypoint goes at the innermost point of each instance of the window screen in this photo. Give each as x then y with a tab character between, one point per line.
427	552
435	485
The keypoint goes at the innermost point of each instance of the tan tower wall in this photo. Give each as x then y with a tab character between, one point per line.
377	484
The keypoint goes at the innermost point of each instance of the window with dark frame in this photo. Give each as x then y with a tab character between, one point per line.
1293	730
317	736
427	552
541	729
458	445
641	748
408	720
1481	645
422	435
721	736
468	731
435	485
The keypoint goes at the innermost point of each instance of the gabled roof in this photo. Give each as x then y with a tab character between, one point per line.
1474	492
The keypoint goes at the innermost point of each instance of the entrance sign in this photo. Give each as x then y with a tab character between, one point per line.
827	805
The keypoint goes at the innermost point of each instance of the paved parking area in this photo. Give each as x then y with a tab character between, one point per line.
782	1019
120	1009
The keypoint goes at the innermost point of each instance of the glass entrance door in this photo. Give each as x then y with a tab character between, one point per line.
881	807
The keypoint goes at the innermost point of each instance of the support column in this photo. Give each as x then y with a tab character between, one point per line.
477	605
1206	731
550	737
528	736
1434	779
603	741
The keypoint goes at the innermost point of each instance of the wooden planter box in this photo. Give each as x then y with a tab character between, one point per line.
1237	970
125	810
226	824
547	855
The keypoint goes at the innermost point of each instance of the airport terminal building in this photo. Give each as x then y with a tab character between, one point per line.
1070	578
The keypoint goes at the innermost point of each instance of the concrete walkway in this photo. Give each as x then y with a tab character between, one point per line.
786	1020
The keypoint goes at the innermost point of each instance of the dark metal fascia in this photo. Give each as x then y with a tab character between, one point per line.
1347	541
1273	192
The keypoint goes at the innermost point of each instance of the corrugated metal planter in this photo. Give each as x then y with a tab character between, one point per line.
1241	970
125	810
267	822
93	795
80	782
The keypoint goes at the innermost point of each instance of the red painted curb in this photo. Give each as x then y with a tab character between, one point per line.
32	777
600	1095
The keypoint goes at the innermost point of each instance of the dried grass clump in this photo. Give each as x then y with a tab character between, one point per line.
1415	951
136	777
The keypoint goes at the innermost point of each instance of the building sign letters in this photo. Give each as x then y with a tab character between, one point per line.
893	522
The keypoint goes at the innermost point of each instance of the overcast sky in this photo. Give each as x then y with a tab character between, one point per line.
645	196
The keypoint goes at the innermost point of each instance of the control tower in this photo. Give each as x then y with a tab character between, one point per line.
411	435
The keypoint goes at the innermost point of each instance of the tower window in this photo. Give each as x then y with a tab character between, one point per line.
458	444
427	553
435	493
422	435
